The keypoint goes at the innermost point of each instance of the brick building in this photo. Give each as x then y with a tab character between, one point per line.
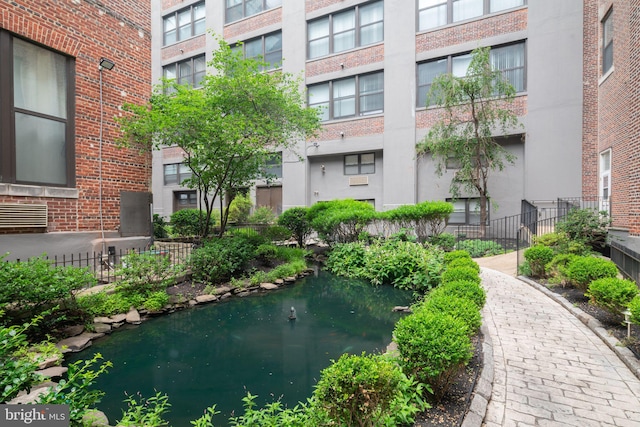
64	184
371	63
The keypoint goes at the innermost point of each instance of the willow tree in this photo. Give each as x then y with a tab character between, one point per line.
475	113
228	128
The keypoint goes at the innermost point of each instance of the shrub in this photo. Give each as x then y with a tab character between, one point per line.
239	209
427	218
587	226
262	215
267	253
250	236
360	390
463	289
612	294
142	273
296	220
464	262
560	242
159	227
557	267
446	241
460	273
156	301
347	259
433	347
450	256
585	269
145	412
340	221
219	259
458	307
480	248
276	233
103	304
634	309
188	222
273	414
538	257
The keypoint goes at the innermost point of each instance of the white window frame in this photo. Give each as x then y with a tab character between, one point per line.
438	13
604	181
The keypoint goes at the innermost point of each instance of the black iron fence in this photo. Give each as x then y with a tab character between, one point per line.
627	260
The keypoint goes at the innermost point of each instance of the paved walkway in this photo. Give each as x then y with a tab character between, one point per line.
549	368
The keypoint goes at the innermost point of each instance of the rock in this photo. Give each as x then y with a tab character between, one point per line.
193	302
49	362
227	295
402	308
243	293
32	397
202	299
133	317
53	372
268	286
117	325
102	320
72	331
279	282
222	290
290	279
95	418
119	318
177	299
77	343
101	328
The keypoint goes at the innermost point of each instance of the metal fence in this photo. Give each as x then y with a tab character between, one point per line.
627	260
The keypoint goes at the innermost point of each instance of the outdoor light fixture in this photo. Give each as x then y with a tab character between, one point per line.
106	64
627	320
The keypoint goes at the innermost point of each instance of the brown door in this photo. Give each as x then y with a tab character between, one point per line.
271	197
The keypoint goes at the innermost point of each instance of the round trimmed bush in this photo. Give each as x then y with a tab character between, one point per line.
612	294
583	270
463	289
634	308
464	262
460	273
458	307
538	257
450	256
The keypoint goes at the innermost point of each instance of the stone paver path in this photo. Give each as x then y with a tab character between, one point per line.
549	368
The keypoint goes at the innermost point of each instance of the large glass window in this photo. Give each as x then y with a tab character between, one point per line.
353	96
188	72
267	48
436	13
273	168
37	111
605	179
509	59
607	42
360	26
465	211
185	200
360	164
238	9
176	173
184	23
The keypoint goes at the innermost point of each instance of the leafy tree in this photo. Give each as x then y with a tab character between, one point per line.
228	128
474	108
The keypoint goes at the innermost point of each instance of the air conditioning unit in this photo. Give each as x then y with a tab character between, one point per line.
17	215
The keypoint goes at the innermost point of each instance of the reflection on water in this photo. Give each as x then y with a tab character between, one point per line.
216	353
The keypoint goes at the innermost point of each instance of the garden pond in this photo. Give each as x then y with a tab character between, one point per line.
215	354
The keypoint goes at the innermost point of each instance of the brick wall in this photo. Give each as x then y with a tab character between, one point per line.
252	23
355	58
88	30
591	74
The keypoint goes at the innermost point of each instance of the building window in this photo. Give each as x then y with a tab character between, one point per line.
360	26
37	109
185	200
509	59
605	179
238	9
359	164
436	13
607	42
267	48
273	167
465	211
176	173
350	97
184	23
188	72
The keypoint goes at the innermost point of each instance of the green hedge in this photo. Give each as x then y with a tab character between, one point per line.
582	270
612	294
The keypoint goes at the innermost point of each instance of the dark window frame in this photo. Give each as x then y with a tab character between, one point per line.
607	45
242	5
358	26
467	211
358	94
448	4
180	177
360	164
8	161
192	22
264	54
422	95
191	61
191	194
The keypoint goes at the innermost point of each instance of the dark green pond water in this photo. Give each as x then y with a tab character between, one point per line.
218	352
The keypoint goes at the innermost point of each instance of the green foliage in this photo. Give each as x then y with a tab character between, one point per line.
453	255
560	242
473	108
77	390
159	227
612	294
634	309
464	262
17	371
145	412
557	267
427	218
583	270
361	390
267	253
340	221
143	273
587	226
240	208
296	220
273	414
460	273
446	241
277	233
288	254
480	248
221	258
538	257
206	420
462	289
434	347
457	307
104	304
156	301
347	259
188	222
262	215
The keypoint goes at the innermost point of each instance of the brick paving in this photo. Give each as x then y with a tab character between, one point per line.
549	368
